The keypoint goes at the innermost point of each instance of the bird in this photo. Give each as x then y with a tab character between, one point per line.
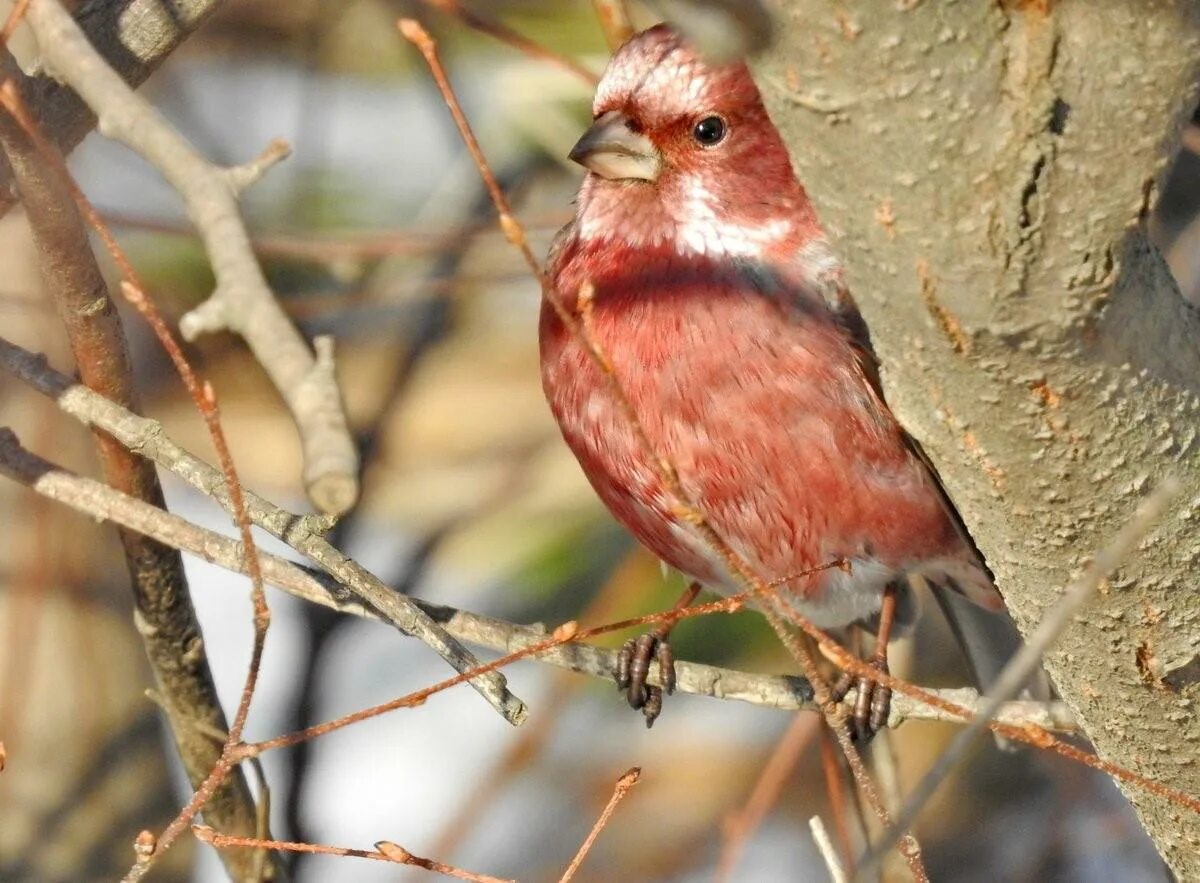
722	311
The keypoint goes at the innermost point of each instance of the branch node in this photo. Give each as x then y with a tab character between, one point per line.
210	316
241	177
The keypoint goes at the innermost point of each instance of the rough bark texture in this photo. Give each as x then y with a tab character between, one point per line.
983	167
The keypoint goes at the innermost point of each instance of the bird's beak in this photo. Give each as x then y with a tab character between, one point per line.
612	150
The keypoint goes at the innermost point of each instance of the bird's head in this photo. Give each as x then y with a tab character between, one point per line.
682	154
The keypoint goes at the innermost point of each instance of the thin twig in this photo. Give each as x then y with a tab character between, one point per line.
242	301
163	605
505	34
513	231
303	533
615	21
1025	663
741	826
385	851
623	785
825	846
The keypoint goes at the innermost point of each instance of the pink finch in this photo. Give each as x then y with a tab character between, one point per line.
722	310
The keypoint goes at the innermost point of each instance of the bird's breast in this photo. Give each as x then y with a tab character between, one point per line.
755	397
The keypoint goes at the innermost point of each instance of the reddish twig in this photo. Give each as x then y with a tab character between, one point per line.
205	399
742	824
385	851
15	15
520	42
566	633
836	796
686	509
623	785
615	21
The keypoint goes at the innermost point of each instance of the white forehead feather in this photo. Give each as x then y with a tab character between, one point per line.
655	62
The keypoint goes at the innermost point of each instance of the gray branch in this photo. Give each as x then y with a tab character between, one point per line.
242	302
98	500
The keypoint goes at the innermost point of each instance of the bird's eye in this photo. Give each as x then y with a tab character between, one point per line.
709	131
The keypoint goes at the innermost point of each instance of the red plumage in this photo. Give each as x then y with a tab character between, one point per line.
722	311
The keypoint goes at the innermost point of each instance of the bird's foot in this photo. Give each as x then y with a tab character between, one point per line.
633	666
872	702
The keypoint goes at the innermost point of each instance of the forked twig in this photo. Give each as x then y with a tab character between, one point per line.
368	595
242	301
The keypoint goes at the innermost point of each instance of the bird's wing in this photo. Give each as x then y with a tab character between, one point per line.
982	591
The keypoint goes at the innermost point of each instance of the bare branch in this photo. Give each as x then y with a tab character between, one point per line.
788	693
303	533
242	301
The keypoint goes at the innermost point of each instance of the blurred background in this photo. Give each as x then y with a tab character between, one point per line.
378	231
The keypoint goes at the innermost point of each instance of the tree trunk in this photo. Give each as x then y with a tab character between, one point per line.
983	168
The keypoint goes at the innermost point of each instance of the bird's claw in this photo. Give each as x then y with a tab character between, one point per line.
872	702
633	667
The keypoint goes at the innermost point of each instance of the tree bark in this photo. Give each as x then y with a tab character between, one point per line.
983	168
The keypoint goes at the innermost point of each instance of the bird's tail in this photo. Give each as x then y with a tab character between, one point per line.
988	640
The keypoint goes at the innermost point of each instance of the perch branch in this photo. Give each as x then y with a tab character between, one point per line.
147	434
100	501
303	533
242	301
